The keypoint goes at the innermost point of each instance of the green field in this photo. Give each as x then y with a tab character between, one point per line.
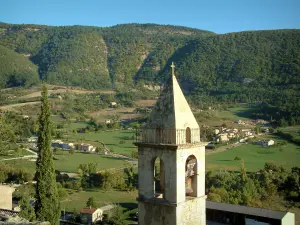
237	113
110	138
12	155
77	200
255	156
23	164
69	163
217	117
77	125
294	130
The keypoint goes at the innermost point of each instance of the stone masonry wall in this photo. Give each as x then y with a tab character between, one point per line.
156	214
192	212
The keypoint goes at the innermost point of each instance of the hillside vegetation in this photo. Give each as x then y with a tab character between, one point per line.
228	66
256	66
16	69
260	66
94	57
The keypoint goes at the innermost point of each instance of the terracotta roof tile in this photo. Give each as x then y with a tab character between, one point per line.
88	210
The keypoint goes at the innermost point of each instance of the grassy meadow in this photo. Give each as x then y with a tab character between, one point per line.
23	152
67	162
216	117
255	156
293	130
70	162
119	141
77	199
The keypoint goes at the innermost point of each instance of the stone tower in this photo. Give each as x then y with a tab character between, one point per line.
171	134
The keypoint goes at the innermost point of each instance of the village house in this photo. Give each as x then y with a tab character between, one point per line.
6	197
223	138
87	147
260	121
105	209
243	140
230	135
247	132
67	146
56	143
226	134
32	139
265	143
62	145
107	121
240	122
90	215
113	104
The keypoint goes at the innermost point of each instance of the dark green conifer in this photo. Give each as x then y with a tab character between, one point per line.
47	206
27	211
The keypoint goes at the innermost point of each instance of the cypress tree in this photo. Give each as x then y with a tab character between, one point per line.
27	211
47	205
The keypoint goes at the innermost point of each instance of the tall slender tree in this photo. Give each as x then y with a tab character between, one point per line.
47	206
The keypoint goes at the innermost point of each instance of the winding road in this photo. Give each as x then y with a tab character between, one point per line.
34	155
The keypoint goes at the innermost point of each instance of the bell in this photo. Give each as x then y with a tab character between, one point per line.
188	185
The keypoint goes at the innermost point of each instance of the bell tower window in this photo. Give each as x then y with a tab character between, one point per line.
159	178
188	135
191	176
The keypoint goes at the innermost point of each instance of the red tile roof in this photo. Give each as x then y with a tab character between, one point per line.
88	210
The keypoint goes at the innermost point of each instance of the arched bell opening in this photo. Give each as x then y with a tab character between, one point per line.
188	138
159	177
191	176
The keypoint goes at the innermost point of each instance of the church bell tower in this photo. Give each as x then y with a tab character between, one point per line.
174	194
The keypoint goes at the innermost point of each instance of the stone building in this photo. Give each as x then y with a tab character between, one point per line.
171	134
6	197
90	215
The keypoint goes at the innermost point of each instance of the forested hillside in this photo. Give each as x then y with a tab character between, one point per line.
72	58
95	57
260	66
140	51
256	66
16	69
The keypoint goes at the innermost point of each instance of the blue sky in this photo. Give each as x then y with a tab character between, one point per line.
220	16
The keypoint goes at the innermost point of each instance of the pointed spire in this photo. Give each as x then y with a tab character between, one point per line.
173	70
171	110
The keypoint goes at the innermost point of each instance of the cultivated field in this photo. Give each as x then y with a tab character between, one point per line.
15	107
65	90
125	113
